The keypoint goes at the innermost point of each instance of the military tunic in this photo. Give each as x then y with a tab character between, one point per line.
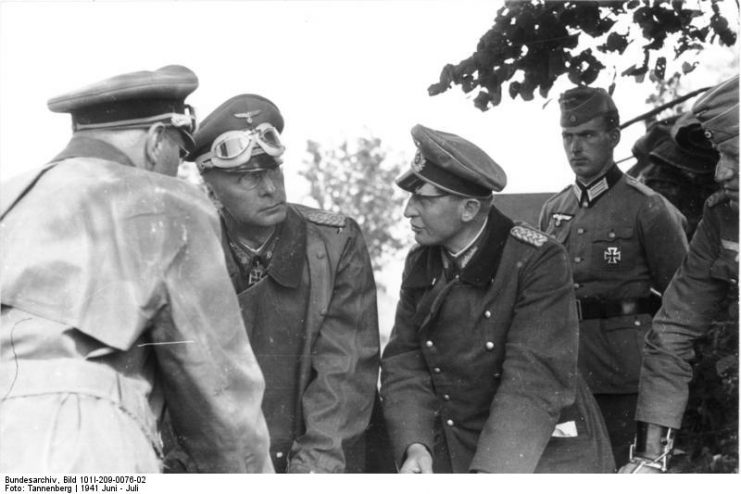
314	329
482	370
114	306
704	290
623	240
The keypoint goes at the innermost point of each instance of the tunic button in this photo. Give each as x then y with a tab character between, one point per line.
279	454
457	277
446	397
577	285
490	345
637	323
429	344
487	314
436	370
497	375
450	422
577	259
580	231
611	234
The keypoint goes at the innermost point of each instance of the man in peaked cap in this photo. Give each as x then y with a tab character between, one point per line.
480	374
114	304
305	287
624	241
702	296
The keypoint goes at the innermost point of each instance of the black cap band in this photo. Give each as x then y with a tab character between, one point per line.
442	179
126	110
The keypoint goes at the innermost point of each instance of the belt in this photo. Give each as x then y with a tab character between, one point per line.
600	308
40	377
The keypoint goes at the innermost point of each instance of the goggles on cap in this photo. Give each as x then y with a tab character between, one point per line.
234	148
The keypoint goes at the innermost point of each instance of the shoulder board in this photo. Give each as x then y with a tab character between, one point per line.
558	194
528	235
639	186
321	217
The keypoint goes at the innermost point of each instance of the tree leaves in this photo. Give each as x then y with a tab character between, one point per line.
533	43
356	178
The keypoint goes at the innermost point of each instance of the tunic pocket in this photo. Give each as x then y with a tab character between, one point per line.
614	249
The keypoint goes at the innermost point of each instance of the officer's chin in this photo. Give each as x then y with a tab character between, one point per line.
423	239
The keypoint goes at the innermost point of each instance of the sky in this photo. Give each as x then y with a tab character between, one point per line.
336	69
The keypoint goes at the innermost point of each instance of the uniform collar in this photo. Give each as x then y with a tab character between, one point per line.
427	264
88	147
587	195
287	265
286	254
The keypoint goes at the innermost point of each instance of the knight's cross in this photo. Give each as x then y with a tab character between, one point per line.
612	255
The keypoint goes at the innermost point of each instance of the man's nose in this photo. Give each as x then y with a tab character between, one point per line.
576	145
268	184
724	170
410	210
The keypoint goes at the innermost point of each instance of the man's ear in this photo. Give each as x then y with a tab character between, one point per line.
471	208
154	145
615	135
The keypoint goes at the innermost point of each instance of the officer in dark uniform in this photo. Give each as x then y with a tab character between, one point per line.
625	241
306	291
480	372
704	289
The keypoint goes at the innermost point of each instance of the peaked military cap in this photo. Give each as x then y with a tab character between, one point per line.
452	164
133	100
241	112
581	104
717	111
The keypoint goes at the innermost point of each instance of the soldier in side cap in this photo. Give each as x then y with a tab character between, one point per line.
480	372
114	304
704	290
624	241
305	287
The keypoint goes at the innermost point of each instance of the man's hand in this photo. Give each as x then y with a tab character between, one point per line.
418	460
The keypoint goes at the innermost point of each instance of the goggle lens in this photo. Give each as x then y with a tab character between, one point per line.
231	146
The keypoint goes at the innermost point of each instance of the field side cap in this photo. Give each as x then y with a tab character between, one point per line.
452	164
582	104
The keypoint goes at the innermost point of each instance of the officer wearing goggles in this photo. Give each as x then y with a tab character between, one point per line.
104	323
306	291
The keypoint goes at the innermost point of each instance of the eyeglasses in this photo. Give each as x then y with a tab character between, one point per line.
251	179
234	148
